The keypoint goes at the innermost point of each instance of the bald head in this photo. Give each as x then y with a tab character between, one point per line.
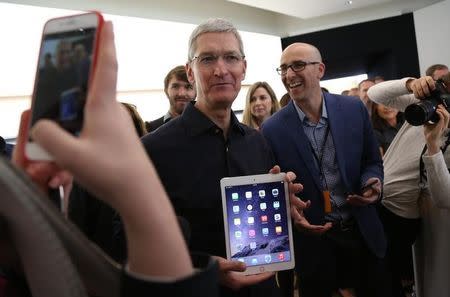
301	70
305	49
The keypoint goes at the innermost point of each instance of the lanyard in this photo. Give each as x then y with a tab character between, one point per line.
319	158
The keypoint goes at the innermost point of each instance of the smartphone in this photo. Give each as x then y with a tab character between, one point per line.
257	222
67	59
368	186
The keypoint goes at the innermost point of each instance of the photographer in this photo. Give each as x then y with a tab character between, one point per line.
416	188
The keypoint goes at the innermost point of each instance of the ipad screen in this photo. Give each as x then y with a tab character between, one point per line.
258	223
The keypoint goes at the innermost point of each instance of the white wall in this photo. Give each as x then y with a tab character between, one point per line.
433	35
146	50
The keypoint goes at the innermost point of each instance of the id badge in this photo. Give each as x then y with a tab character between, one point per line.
326	201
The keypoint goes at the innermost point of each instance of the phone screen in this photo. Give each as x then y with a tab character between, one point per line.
258	223
62	79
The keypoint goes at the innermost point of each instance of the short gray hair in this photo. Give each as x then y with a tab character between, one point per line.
216	25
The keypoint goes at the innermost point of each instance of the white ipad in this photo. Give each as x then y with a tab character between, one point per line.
257	221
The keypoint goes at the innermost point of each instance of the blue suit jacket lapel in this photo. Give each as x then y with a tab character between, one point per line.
336	120
302	143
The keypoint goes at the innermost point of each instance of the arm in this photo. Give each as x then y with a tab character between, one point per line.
371	166
129	184
438	176
393	93
438	179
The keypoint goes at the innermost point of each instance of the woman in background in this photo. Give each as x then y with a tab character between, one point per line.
260	104
386	122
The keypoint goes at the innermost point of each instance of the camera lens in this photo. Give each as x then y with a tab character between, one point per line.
420	113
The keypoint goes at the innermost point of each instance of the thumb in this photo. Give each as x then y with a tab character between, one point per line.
232	266
63	146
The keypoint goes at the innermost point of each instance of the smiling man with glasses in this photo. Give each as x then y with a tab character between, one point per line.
206	143
328	140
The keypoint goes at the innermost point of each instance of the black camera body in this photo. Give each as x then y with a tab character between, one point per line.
425	111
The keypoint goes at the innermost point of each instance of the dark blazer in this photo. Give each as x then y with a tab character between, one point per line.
153	125
358	158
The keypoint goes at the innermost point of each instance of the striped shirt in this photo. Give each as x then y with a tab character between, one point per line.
324	154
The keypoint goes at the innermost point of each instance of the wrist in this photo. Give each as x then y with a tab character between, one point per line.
408	84
432	149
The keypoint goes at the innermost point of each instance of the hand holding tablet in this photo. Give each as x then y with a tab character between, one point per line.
257	221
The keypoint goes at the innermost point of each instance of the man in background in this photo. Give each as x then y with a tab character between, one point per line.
363	87
436	71
179	92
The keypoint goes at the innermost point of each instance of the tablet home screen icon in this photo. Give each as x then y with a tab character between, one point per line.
275	192
276	204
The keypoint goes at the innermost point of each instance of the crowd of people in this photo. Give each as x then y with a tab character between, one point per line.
364	184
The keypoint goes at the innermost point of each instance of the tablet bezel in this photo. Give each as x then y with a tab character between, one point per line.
259	179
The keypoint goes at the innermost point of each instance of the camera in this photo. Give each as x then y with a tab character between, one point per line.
425	111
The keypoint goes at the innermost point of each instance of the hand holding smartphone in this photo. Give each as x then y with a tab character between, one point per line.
360	199
67	59
368	186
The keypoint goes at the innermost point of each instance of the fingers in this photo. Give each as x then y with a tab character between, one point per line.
297	207
105	76
40	173
299	203
358	200
227	266
423	86
275	169
306	227
444	116
372	186
290	176
18	156
248	280
62	178
434	132
58	142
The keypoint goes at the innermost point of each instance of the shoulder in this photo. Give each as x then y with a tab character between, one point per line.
280	116
345	106
165	135
153	125
343	100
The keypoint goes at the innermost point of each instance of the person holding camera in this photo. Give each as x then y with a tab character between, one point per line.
415	201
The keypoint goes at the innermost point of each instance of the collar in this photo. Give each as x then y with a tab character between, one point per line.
302	115
167	117
198	123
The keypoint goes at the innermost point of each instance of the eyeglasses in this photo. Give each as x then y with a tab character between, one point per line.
296	66
208	60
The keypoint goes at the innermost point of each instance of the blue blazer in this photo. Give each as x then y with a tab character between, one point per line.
358	158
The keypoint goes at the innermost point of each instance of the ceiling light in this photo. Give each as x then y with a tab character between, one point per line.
349	2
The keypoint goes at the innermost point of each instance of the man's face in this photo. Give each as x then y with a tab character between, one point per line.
363	88
437	74
218	81
303	84
179	93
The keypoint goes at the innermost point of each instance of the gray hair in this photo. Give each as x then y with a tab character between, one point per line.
216	25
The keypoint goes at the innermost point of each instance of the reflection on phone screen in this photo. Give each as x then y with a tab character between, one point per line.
62	78
257	223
